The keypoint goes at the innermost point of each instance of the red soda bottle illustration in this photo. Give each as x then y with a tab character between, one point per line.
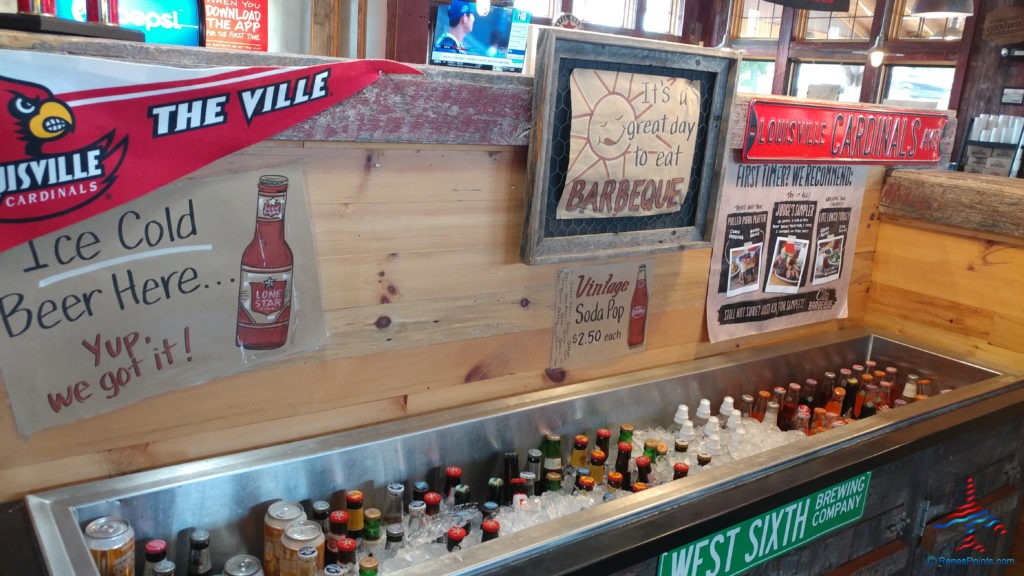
265	280
638	309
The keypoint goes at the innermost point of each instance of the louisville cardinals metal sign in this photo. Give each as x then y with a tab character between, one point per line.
79	136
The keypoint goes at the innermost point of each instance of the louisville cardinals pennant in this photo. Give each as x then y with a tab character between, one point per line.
79	136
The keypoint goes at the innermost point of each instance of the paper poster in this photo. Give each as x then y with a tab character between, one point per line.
167	291
600	313
80	136
783	246
236	24
632	140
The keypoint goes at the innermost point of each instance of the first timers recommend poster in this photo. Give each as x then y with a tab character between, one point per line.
783	246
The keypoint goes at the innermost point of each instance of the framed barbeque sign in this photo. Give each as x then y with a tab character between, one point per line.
627	142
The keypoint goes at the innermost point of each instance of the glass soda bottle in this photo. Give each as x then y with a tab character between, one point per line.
638	309
265	279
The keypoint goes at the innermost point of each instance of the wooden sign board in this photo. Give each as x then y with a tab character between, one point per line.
1005	26
628	136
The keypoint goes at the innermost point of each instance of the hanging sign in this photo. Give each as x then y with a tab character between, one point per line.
632	142
753	542
817	5
783	246
780	131
169	290
236	24
79	136
600	313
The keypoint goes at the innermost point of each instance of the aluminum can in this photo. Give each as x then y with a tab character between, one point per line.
243	565
111	542
279	515
42	7
298	537
102	11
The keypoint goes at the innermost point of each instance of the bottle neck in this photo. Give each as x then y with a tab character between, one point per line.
270	211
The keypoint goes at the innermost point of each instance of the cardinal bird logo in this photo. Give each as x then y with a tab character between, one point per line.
974	516
34	114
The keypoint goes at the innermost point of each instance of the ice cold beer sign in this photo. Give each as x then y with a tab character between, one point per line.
158	294
600	313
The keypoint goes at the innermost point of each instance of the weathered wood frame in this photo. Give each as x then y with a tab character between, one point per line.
554	45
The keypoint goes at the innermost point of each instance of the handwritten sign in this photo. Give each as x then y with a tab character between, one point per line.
154	296
632	144
236	24
600	313
783	246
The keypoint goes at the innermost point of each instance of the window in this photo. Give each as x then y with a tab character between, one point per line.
916	28
922	84
828	81
663	16
756	76
758	19
538	8
614	13
854	24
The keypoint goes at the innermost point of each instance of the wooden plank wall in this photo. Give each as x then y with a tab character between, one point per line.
427	305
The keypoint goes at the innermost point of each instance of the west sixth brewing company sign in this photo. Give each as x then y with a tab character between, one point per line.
79	136
780	131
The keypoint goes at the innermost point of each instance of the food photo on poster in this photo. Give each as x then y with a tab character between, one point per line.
782	246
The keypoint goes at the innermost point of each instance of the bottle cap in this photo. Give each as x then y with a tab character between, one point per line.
625	447
417	506
372	515
615	478
598	457
369	563
662	448
819	411
347	545
764	394
453	472
681	467
811	382
490	525
781	391
586	482
682	414
492	507
333	570
395	532
321	507
553	437
156	546
650	444
396	488
839	391
704	408
604	433
432	498
517	481
682	445
421	486
845	372
199	538
639	486
354	497
307	553
525	475
643	461
581	441
456	533
338	518
803	409
534	455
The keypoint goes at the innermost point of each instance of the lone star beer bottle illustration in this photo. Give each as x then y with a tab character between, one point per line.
265	280
638	309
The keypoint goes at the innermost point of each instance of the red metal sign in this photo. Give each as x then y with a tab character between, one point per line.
779	131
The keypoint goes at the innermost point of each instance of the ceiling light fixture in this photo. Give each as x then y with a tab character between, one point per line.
942	8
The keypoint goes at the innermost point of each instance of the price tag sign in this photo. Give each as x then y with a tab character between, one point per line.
600	313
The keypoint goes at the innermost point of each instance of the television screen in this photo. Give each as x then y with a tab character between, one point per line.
464	37
162	21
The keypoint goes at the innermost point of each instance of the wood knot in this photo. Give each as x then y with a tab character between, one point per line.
382	322
556	375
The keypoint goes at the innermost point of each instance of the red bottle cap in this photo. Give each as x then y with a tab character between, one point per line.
643	461
639	486
456	533
354	497
681	467
625	447
586	481
604	433
598	457
347	545
490	526
453	472
339	517
432	498
779	390
519	480
581	440
155	546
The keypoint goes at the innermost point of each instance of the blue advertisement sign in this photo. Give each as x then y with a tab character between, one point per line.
162	21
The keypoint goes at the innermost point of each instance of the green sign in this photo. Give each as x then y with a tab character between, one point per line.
761	538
